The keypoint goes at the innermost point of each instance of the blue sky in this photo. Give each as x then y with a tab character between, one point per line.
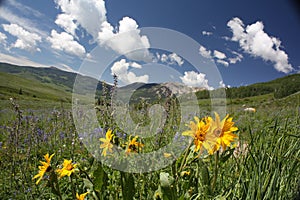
246	41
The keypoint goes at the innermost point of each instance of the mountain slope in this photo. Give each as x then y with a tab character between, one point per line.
13	86
51	76
52	83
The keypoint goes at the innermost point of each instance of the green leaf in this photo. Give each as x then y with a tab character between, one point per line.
100	180
128	189
87	183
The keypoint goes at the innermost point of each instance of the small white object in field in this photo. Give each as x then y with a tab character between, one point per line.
250	110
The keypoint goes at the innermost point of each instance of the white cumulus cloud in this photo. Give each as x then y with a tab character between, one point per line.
89	14
237	57
204	52
65	42
207	33
126	39
171	59
223	62
25	39
219	54
120	68
222	84
2	38
255	41
194	79
67	23
174	58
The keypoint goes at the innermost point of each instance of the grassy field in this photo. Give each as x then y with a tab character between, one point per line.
260	160
263	163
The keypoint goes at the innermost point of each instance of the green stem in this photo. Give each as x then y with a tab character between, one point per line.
216	170
72	186
184	158
55	188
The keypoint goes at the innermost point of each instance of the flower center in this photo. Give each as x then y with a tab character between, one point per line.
69	167
218	132
48	169
200	136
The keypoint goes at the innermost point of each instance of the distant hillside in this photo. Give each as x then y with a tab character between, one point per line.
51	76
13	86
52	83
281	87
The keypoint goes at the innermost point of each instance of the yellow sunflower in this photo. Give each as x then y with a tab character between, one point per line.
81	196
46	167
223	131
133	145
199	132
107	145
67	169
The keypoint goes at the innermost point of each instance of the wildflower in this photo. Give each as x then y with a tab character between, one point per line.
81	196
107	145
133	145
46	167
167	155
199	132
223	131
158	195
185	173
68	168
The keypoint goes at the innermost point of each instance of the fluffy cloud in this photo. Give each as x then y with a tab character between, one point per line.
120	68
66	22
25	40
257	43
2	38
194	79
174	58
206	33
220	58
222	84
65	42
125	39
219	55
171	59
223	62
89	14
238	57
204	52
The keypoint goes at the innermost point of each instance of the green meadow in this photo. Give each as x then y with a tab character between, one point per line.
260	162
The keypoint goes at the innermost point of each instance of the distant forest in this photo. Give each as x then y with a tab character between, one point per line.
281	87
